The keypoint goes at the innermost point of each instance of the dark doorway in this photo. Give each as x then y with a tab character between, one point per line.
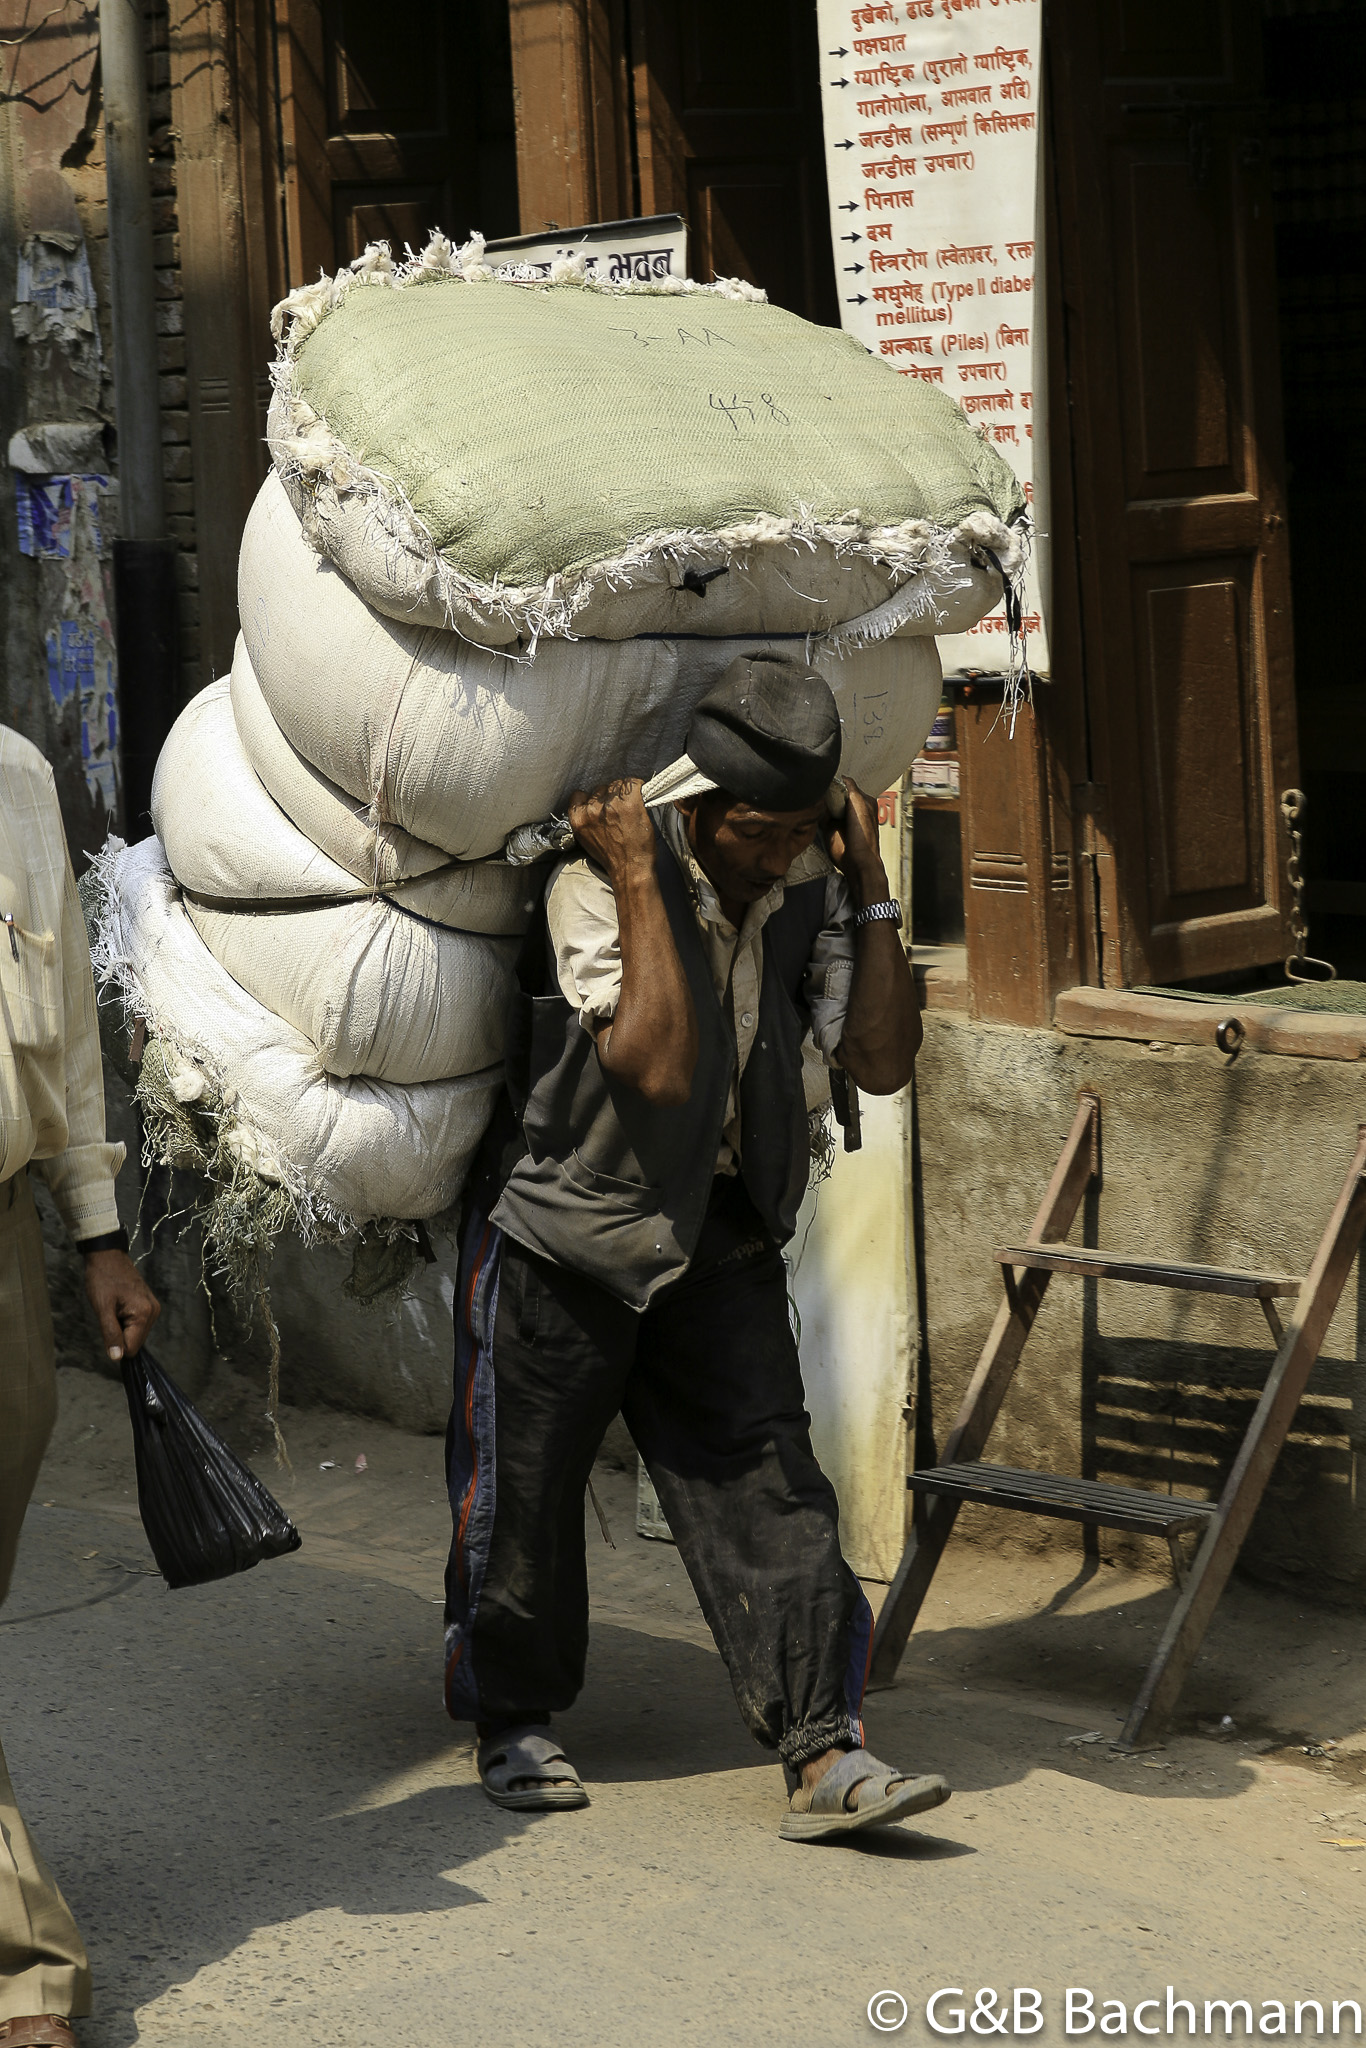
1315	54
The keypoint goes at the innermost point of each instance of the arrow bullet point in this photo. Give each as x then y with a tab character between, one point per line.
855	267
847	206
861	300
855	237
839	81
837	53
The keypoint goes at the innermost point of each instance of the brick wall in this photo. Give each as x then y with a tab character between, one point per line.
178	461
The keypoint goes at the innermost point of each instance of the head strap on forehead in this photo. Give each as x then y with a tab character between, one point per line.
768	732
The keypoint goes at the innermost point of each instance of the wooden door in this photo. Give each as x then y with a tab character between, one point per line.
728	133
392	125
1170	331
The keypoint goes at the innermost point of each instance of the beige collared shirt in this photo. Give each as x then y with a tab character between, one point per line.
581	912
51	1079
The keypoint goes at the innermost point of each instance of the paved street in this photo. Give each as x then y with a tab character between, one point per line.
269	1830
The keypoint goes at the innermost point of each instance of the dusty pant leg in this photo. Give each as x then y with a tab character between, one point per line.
716	1406
43	1965
561	1349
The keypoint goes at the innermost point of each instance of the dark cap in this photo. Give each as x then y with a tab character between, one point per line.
769	733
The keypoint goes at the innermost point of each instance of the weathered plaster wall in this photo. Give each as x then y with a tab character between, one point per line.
55	598
52	207
58	679
1226	1162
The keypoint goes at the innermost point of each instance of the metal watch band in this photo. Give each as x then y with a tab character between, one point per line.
889	912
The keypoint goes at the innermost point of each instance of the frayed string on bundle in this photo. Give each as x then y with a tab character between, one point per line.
282	1457
1019	677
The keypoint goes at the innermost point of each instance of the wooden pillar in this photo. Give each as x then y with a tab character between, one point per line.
571	99
225	295
1020	880
305	174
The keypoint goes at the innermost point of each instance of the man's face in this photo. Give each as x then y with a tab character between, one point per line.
743	852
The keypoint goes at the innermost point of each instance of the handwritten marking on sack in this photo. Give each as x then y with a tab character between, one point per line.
870	713
704	340
735	404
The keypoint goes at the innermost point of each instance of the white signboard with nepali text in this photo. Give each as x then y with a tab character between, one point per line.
932	122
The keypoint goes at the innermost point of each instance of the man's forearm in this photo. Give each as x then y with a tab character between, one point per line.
651	1042
882	1028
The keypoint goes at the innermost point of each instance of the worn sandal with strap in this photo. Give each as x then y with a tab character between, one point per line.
38	2030
885	1796
531	1760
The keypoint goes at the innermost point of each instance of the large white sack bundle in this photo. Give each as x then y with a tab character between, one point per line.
348	1151
458	745
373	990
235	843
528	456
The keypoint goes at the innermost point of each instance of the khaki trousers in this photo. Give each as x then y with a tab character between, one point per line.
43	1966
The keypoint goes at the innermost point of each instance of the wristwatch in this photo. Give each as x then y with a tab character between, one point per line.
886	912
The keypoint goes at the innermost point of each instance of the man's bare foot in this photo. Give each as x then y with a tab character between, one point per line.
815	1769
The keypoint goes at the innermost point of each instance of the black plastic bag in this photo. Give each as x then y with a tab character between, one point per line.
205	1514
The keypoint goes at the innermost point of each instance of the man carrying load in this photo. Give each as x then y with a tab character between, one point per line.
623	1247
51	1129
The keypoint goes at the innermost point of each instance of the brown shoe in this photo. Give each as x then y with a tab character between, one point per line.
39	2030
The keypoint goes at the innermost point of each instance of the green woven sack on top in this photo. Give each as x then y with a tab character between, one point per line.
516	442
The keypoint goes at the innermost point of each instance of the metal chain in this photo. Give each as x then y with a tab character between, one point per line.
1294	804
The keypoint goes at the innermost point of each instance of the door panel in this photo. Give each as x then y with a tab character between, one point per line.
388	133
1164	38
734	209
1168	275
1183	373
401	215
1193	634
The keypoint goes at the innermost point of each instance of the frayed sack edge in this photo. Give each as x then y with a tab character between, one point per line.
319	472
296	316
193	1121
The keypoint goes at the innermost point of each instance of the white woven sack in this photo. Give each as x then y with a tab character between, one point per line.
353	1150
486	895
373	990
223	834
458	745
228	838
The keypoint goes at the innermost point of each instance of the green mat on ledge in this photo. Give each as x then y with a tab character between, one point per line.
1347	998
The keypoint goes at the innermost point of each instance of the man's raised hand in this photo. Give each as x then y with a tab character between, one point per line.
613	826
854	848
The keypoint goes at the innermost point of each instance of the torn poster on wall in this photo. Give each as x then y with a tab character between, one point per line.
80	664
54	297
932	135
59	521
45	507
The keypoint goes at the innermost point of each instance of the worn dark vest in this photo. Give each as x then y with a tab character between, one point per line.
616	1187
